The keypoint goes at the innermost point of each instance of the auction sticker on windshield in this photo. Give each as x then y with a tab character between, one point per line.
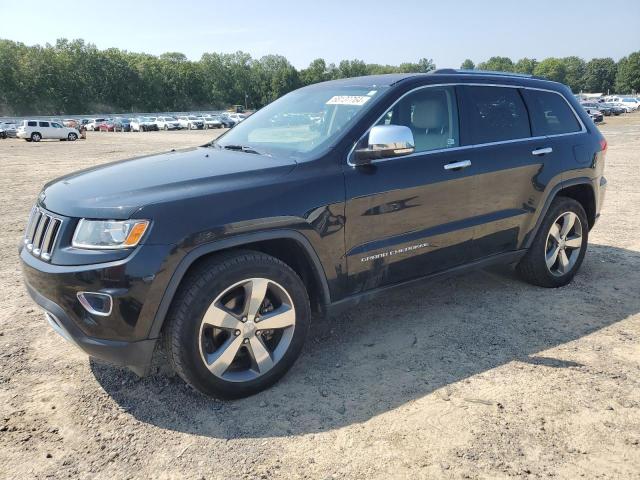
348	100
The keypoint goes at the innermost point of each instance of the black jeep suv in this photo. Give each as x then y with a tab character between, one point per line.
330	194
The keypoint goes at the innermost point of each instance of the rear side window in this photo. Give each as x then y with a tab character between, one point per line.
497	114
44	124
550	113
32	124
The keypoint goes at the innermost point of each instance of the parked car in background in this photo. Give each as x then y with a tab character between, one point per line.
615	110
594	114
106	126
601	107
71	123
9	129
36	130
190	122
227	122
627	101
143	124
211	121
237	117
121	124
92	124
617	101
168	123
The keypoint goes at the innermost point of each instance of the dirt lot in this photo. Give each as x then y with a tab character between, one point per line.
481	376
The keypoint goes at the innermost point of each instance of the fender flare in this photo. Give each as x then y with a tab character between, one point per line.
224	244
552	195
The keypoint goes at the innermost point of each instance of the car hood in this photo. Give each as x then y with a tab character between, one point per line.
117	190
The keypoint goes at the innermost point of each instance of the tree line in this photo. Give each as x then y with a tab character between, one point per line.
75	77
598	75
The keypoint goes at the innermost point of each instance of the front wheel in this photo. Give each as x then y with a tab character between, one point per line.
559	246
237	324
72	137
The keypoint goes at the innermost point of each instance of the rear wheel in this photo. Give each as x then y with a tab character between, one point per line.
559	246
36	137
237	324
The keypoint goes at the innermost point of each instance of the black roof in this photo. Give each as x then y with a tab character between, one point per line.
449	74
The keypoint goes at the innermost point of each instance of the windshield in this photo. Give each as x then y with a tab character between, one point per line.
302	122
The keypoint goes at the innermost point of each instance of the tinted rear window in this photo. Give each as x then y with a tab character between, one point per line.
32	124
497	114
550	113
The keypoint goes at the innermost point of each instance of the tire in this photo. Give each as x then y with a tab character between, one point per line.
72	137
191	344
36	137
555	255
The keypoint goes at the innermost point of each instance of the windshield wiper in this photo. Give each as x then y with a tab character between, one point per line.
241	148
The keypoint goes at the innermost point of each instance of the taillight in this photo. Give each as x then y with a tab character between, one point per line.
603	145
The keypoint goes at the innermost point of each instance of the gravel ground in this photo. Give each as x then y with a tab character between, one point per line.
480	376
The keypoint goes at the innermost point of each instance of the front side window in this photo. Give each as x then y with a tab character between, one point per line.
550	113
303	122
56	125
432	115
497	114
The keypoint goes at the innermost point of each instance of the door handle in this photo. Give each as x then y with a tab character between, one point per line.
542	151
458	165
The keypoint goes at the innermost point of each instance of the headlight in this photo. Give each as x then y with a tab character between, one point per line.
109	234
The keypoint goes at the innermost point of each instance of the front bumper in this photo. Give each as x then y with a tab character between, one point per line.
136	285
134	355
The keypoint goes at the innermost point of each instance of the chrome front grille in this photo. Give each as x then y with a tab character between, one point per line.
42	231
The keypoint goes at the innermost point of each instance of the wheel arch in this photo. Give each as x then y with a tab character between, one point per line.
289	246
581	190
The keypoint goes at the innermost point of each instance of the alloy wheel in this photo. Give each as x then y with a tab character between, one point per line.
564	243
247	330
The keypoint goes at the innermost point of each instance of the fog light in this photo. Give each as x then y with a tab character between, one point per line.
96	303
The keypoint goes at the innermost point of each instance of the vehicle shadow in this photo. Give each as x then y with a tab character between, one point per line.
398	348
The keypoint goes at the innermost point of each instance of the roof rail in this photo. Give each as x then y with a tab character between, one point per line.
480	72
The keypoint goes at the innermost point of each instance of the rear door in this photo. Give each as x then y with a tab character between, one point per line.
46	130
410	216
510	175
557	130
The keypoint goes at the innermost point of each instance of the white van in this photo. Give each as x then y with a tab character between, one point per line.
36	130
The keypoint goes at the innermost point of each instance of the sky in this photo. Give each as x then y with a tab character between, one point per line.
376	31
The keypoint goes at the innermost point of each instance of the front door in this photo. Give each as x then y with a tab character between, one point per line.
411	216
57	131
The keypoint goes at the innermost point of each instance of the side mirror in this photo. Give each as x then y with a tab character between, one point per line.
385	141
